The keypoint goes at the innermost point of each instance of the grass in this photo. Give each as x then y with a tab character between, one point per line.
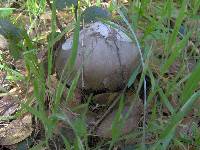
172	91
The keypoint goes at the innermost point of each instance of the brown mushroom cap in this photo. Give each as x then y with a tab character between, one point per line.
108	56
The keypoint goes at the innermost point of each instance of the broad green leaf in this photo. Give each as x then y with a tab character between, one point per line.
61	4
93	13
17	38
5	12
10	31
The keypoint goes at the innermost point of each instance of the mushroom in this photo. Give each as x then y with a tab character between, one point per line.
132	108
107	57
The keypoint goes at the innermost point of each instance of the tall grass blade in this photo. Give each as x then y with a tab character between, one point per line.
133	76
191	84
64	117
73	87
67	144
168	131
196	7
5	12
175	53
166	101
53	31
179	20
73	55
68	68
118	123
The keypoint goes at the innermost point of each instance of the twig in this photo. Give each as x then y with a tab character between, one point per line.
98	122
111	107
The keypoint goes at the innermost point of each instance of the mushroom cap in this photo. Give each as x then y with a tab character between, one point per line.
107	57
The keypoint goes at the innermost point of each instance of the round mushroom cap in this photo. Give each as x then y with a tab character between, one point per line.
107	57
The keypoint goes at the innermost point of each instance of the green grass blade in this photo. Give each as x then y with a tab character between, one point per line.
67	144
68	68
73	87
118	122
177	118
179	20
5	12
57	97
166	101
66	119
68	28
74	51
175	53
16	75
53	31
133	76
191	84
196	7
